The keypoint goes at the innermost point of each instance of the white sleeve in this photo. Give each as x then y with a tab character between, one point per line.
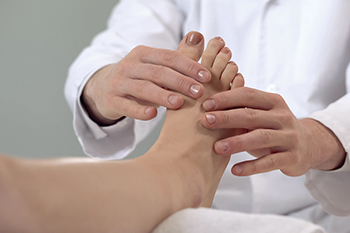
332	188
154	23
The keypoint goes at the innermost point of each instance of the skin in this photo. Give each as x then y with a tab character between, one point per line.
145	79
271	133
269	130
181	170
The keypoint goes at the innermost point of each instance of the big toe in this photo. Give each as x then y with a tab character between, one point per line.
192	45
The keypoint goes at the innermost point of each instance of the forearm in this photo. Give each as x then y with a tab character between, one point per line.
75	195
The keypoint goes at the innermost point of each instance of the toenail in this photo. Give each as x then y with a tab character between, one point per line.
219	38
195	89
238	169
194	38
210	118
209	105
223	146
225	50
173	99
203	76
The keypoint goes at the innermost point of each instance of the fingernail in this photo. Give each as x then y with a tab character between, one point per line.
194	38
173	99
210	118
238	169
147	110
203	76
209	105
195	89
223	146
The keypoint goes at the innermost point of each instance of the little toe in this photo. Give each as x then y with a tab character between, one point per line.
212	50
220	62
192	45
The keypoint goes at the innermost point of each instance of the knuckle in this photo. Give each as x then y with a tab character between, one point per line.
124	67
277	98
158	72
138	50
140	110
273	161
251	114
223	101
253	168
123	107
293	159
238	143
191	67
225	118
287	119
141	87
250	94
181	83
264	136
169	56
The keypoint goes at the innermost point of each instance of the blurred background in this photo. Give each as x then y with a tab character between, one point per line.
39	39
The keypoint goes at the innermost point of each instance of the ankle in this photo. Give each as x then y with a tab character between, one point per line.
182	179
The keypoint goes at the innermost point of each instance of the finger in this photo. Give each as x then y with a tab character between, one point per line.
264	164
192	45
176	61
168	78
238	81
130	108
242	97
148	91
254	140
213	48
241	118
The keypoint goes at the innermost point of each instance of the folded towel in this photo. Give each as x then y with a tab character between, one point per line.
204	220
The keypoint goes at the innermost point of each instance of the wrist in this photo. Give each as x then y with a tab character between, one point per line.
91	109
88	103
324	146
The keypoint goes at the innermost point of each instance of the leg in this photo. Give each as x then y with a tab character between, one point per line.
182	132
82	195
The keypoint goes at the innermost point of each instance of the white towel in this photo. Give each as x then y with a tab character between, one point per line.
204	220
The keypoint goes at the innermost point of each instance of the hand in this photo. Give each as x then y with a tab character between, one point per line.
271	133
145	79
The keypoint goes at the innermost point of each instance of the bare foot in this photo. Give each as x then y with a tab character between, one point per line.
183	134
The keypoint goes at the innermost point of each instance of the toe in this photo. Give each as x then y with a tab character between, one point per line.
220	62
192	45
229	73
212	50
238	81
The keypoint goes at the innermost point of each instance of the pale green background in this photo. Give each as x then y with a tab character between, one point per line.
39	39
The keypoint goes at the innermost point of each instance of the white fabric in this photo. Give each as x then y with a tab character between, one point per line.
297	48
204	220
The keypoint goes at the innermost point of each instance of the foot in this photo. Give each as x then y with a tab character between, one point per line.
183	136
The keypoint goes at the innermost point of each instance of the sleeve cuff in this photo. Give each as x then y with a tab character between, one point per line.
331	188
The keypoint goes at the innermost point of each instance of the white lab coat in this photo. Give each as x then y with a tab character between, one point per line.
297	48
